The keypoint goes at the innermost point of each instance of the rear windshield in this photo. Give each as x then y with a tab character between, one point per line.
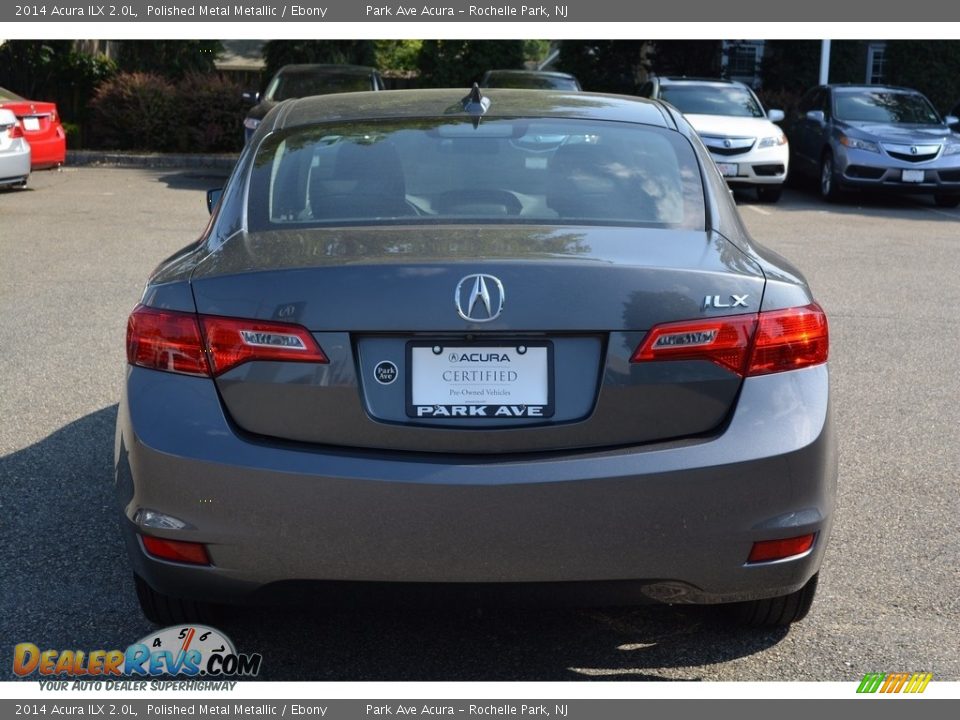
301	84
546	171
885	107
712	100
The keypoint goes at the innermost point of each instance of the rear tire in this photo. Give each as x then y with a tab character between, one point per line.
778	611
769	193
946	201
166	610
828	179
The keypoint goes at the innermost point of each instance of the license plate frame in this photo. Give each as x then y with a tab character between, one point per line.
728	169
912	176
422	360
31	124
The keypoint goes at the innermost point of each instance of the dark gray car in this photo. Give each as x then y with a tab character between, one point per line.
297	81
514	341
870	137
529	80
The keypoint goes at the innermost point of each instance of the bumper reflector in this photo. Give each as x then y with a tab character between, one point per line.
769	550
176	550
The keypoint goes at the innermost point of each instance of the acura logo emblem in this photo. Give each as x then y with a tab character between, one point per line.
913	150
727	143
479	298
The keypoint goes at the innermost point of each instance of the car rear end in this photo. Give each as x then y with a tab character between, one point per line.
514	353
14	151
42	129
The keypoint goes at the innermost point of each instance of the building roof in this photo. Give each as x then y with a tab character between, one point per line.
241	56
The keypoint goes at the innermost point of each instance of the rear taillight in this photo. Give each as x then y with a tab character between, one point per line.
789	340
748	345
232	341
208	345
165	340
724	341
16	131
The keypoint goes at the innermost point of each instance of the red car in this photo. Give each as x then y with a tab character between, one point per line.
41	127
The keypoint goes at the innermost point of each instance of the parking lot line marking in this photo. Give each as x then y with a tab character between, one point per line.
758	210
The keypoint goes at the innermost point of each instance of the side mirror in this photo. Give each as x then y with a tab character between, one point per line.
817	116
250	97
951	120
213	197
775	115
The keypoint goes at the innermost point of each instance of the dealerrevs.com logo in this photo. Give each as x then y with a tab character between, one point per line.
187	651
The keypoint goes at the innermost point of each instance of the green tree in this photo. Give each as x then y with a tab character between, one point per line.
397	54
53	71
617	66
277	53
930	66
172	59
460	63
694	58
535	50
29	67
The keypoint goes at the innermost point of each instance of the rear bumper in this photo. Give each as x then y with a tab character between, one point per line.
673	521
15	163
49	148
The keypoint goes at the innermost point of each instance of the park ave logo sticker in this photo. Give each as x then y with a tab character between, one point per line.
189	652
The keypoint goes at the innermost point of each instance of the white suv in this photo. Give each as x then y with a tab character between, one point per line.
750	151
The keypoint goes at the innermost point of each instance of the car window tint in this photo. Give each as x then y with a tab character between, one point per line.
885	107
712	100
434	171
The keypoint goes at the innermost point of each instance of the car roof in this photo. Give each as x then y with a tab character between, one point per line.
326	69
683	80
534	73
399	104
857	87
9	95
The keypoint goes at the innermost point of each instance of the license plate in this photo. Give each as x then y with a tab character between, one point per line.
912	176
471	382
728	169
31	123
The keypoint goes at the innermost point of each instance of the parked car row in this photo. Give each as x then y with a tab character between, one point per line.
31	138
298	81
848	137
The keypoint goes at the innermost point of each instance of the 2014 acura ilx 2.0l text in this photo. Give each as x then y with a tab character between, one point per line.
519	341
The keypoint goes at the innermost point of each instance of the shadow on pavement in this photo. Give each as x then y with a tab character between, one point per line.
66	584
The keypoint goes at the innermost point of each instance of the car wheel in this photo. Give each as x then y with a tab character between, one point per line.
828	178
947	201
769	193
165	610
777	611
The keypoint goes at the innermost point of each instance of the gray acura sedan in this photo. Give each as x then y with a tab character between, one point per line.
501	343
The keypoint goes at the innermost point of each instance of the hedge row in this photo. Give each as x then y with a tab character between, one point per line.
144	111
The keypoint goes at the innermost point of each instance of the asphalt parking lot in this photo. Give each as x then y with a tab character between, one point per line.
75	249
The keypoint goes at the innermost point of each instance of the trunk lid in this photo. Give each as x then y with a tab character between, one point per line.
580	299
